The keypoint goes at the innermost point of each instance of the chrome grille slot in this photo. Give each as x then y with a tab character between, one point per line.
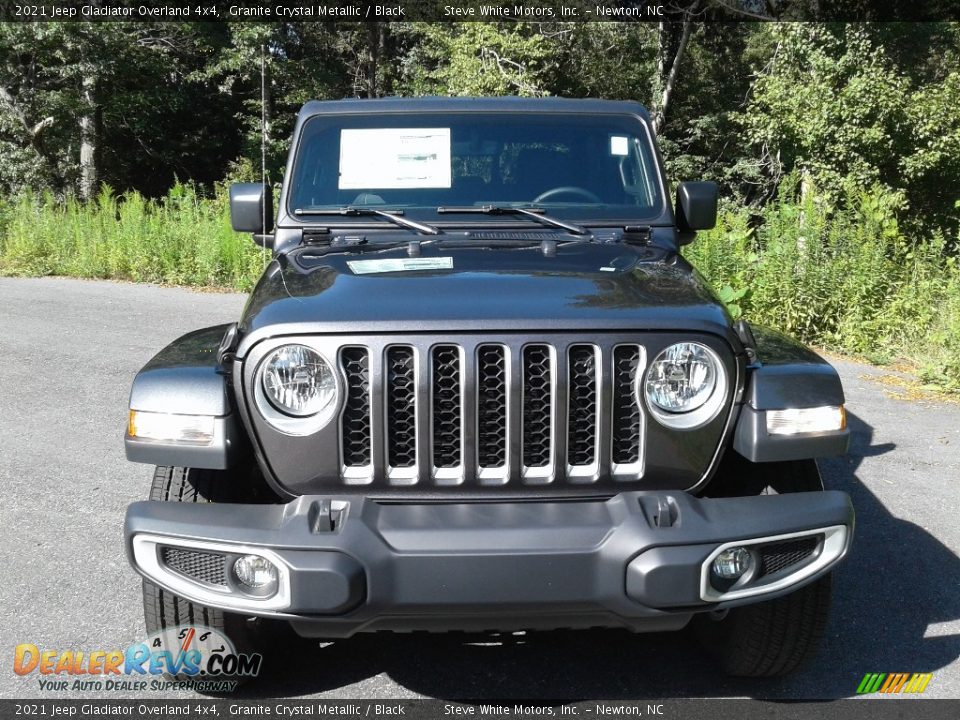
583	420
490	412
628	419
446	388
355	427
492	423
401	406
538	429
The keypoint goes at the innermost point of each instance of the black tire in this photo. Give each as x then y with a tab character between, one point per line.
161	608
779	636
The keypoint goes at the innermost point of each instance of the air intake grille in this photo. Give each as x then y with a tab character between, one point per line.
490	412
446	406
779	556
401	408
626	410
582	424
205	567
491	406
537	406
356	444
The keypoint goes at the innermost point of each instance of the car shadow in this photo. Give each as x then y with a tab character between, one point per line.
897	581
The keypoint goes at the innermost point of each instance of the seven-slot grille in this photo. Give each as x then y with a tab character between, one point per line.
490	413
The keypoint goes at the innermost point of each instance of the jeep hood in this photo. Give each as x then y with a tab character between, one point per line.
608	286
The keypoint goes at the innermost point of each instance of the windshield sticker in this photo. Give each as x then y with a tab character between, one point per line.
619	145
385	265
395	158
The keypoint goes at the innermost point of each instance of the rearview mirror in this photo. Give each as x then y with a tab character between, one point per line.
696	206
251	207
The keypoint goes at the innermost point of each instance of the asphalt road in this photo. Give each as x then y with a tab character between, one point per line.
68	351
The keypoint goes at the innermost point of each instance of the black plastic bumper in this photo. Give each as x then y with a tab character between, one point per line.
635	560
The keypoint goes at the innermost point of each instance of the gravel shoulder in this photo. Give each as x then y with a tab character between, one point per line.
69	351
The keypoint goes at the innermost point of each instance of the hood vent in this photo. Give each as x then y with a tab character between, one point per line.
511	235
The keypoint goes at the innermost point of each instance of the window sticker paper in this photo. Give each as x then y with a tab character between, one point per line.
619	145
394	158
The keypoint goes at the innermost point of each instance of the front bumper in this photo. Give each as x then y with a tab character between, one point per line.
639	559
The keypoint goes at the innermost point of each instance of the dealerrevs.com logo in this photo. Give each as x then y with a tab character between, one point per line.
186	657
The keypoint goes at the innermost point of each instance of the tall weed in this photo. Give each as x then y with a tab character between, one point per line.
842	277
183	239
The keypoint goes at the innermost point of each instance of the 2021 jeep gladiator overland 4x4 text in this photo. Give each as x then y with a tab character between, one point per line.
479	388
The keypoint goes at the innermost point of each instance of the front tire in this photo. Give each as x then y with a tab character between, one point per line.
779	636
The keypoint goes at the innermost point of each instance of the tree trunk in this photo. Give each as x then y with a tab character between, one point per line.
672	39
90	133
266	106
374	39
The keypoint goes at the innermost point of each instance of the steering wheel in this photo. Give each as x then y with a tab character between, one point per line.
566	190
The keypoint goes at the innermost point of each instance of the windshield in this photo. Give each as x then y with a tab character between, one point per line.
577	166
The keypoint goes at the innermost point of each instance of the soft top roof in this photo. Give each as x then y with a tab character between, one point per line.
468	104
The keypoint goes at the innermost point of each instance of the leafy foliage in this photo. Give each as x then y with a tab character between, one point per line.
848	281
182	239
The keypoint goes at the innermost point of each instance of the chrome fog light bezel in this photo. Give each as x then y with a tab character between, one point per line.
145	554
833	548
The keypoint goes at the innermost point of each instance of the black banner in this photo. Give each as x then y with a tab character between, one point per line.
474	10
878	709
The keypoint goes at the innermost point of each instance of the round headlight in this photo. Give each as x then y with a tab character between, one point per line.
298	381
682	378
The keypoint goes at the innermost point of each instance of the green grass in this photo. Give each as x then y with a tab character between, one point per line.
181	239
848	280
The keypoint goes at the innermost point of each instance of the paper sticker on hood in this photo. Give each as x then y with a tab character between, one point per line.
386	265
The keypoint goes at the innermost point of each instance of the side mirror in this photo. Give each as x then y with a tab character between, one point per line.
250	205
696	207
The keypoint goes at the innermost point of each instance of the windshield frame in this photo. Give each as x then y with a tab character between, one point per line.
659	214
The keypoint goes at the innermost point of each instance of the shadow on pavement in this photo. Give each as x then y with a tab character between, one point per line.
898	580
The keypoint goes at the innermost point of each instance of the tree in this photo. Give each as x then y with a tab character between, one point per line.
84	103
476	59
843	104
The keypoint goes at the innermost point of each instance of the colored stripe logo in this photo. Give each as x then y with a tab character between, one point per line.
894	683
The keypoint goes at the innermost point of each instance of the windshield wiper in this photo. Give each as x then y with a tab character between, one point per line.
533	213
391	215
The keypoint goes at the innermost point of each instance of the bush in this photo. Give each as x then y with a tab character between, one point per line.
182	239
843	278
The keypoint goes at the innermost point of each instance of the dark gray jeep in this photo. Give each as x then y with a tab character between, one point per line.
479	388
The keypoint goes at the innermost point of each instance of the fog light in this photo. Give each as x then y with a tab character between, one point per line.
732	563
255	572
